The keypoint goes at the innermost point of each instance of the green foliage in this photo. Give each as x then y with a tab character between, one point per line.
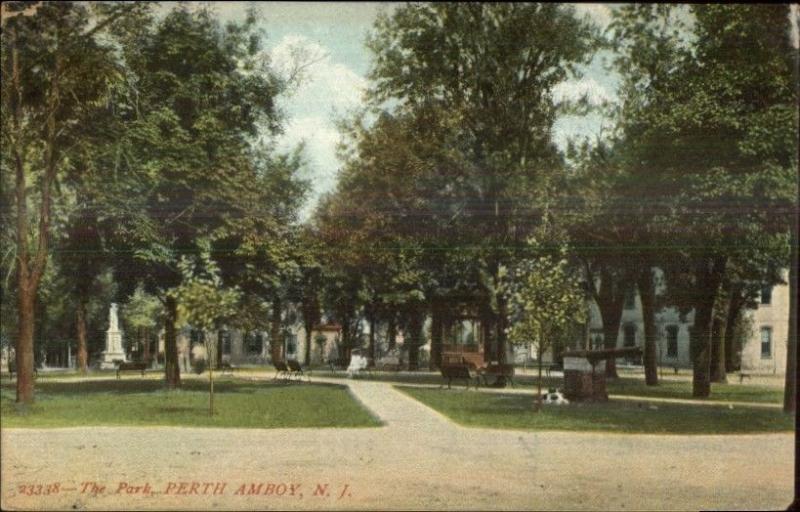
203	301
142	309
547	299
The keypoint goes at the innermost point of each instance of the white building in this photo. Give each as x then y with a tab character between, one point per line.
764	351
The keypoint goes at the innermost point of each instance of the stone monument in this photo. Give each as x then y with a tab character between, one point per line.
113	351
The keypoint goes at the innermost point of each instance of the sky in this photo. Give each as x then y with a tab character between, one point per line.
334	35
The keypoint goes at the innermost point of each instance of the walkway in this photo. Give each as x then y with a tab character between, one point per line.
531	390
417	460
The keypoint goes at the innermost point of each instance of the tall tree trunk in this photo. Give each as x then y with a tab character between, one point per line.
343	350
275	341
309	328
790	387
391	330
371	348
24	349
30	270
436	336
500	336
790	384
500	329
735	304
220	338
648	296
718	345
539	355
80	324
172	370
710	272
146	347
415	340
487	326
610	300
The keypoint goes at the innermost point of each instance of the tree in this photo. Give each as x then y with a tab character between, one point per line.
204	303
142	314
594	210
547	302
58	77
709	122
481	76
188	157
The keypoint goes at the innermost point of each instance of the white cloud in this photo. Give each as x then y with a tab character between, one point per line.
599	13
573	90
321	139
327	90
325	84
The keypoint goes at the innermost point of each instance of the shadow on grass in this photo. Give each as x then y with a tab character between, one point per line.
623	416
131	386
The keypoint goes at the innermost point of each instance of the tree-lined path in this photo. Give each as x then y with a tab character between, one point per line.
418	459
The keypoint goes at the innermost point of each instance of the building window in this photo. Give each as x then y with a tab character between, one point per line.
197	336
630	335
672	341
254	342
291	344
766	342
630	299
766	295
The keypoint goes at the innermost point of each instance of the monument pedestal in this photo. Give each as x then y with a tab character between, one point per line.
113	351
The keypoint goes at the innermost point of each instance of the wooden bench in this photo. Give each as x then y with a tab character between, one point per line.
281	369
12	369
499	370
554	367
134	366
297	370
458	371
337	365
227	368
743	376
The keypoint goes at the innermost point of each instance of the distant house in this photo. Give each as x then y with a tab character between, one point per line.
238	347
764	350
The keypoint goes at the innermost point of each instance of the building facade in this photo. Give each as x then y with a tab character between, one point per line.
763	349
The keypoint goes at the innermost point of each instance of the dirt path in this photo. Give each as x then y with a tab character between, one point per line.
417	460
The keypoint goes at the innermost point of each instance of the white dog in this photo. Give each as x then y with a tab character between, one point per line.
554	396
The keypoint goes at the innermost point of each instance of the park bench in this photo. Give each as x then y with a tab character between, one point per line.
226	367
498	370
297	370
280	369
12	369
743	376
337	364
554	367
131	366
459	371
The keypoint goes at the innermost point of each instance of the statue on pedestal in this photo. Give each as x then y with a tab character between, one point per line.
113	352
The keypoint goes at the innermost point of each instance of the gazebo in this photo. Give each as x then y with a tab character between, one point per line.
463	335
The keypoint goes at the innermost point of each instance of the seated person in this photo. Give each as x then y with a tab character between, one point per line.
357	364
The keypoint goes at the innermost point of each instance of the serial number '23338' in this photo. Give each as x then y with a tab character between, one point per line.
39	489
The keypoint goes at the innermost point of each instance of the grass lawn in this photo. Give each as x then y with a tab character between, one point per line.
514	411
138	402
630	386
627	386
